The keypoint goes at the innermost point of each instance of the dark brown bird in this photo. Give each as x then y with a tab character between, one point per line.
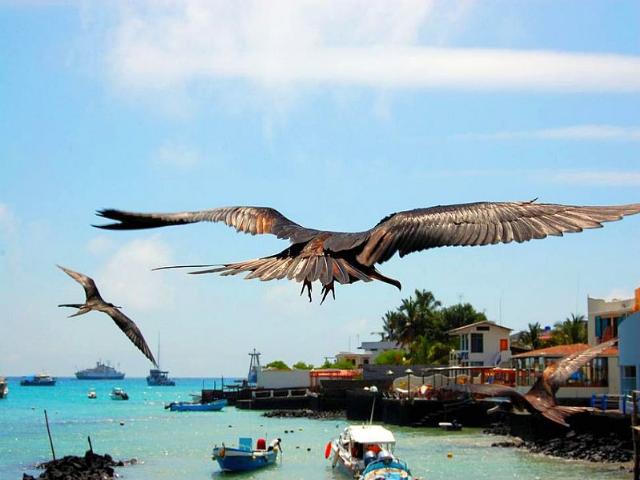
325	256
95	302
541	398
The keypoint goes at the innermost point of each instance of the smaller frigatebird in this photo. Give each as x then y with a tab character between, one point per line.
541	398
95	302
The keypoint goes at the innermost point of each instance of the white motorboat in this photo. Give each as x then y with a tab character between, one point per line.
366	450
118	393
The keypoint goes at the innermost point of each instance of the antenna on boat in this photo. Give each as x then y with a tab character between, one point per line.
158	348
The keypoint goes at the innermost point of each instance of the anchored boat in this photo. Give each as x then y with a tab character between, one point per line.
214	406
366	452
39	380
245	457
4	388
102	371
118	393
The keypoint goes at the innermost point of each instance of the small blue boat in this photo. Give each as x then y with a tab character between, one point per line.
245	458
214	406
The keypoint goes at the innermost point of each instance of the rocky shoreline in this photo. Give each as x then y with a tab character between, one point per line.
90	467
589	447
305	413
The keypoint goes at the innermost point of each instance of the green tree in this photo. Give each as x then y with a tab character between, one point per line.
572	330
531	337
278	365
302	366
461	314
390	357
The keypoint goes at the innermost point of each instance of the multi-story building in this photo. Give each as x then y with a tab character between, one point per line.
629	335
481	344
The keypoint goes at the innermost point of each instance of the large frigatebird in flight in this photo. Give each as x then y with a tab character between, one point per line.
95	302
541	398
328	257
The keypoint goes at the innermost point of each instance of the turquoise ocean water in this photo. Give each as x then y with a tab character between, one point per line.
174	445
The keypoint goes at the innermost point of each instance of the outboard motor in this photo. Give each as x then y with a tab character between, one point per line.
385	456
369	457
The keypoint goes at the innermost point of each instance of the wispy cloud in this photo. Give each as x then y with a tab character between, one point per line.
362	43
100	244
574	132
609	178
128	279
7	219
177	156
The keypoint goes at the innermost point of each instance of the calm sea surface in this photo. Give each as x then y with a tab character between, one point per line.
174	445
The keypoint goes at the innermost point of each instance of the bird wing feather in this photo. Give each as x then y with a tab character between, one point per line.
559	372
90	289
253	220
482	223
131	330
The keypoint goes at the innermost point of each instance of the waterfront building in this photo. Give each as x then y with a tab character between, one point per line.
605	317
358	360
481	344
629	339
272	378
600	376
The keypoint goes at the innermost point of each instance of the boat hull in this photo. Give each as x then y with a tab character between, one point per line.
90	376
236	460
38	383
389	471
198	407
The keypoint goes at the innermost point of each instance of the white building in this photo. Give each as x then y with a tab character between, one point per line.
605	318
272	378
481	344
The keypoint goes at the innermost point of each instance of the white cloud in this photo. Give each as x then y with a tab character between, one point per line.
177	156
614	178
99	244
8	223
363	43
619	294
129	281
575	132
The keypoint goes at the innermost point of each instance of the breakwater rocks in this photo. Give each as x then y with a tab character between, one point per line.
305	413
90	467
583	446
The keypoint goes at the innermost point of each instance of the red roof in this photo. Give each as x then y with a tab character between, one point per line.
560	351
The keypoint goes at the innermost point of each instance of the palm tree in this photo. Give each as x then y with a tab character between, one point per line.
531	337
572	330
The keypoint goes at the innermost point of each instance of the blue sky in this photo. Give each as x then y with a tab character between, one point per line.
335	113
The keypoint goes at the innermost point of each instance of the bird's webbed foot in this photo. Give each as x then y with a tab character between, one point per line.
326	289
306	283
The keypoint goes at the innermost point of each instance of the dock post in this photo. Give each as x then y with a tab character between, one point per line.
46	420
635	432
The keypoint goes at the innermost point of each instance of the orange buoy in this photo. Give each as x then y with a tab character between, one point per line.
327	450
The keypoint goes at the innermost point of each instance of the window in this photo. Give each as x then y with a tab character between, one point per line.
477	343
482	329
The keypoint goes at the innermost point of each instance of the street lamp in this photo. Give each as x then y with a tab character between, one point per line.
408	371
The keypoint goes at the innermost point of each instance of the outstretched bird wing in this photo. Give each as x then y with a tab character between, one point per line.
90	289
131	330
253	220
481	223
559	372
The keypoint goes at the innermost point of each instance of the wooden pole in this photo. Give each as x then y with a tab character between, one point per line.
90	446
635	434
46	419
